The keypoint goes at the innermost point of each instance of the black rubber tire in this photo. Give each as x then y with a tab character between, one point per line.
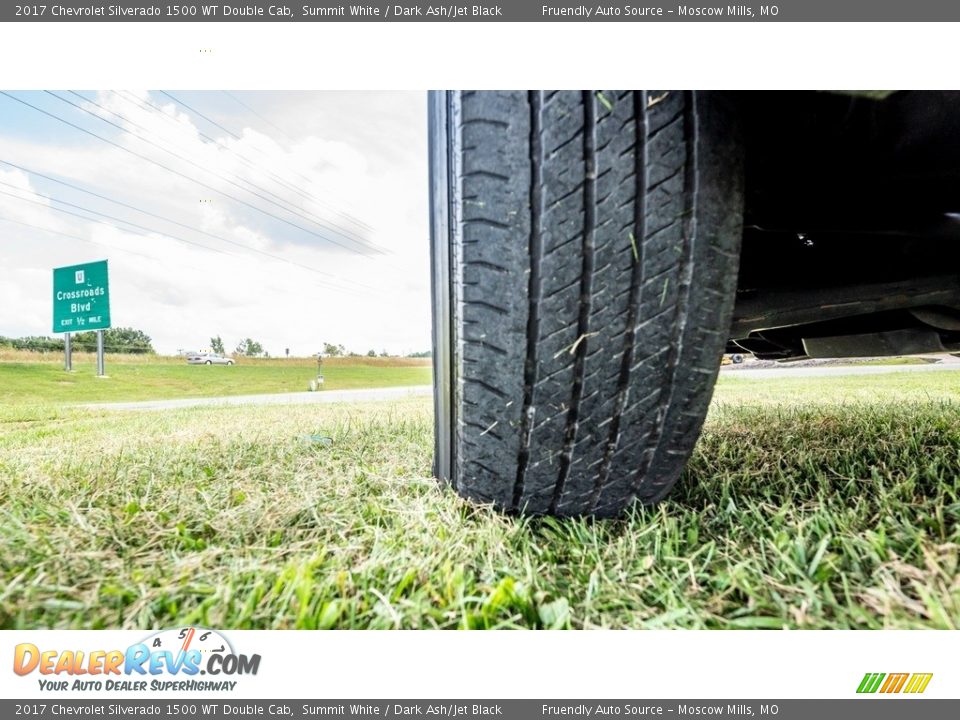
585	247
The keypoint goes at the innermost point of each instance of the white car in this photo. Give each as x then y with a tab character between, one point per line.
204	358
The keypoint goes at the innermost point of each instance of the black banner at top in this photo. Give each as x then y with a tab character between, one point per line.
482	11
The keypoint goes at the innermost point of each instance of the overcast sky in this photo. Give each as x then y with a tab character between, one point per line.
291	218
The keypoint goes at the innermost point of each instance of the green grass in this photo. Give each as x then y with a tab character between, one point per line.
35	382
817	503
909	360
911	388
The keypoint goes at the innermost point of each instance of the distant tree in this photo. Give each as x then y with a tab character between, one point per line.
384	353
115	340
86	341
37	343
216	344
128	340
331	350
371	353
249	347
424	354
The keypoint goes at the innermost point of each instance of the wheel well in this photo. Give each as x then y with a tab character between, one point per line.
852	224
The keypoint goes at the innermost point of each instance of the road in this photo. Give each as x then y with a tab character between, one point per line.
395	393
297	398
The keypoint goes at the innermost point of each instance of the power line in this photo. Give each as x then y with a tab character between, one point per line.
253	112
197	112
165	219
154	162
224	179
298	174
346	216
144	230
288	206
150	107
81	239
89	219
107	110
344	232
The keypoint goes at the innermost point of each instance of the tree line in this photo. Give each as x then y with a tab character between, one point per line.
249	347
115	340
126	340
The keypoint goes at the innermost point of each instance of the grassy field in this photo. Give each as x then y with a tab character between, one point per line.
809	503
25	380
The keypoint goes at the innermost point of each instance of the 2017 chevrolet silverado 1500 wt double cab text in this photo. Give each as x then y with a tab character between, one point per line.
595	253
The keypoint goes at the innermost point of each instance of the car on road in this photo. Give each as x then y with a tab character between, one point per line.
204	358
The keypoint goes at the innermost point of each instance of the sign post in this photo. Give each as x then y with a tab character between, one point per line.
100	368
81	302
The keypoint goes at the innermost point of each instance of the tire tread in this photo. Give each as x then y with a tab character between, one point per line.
594	281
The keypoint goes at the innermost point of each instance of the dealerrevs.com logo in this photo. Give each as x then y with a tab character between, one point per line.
887	683
168	660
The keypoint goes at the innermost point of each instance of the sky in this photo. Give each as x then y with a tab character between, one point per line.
294	219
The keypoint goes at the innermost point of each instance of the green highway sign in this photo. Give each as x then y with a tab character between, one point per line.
81	297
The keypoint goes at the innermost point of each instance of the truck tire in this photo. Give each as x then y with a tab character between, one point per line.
585	247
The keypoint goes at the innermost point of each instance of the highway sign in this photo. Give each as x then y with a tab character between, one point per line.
81	298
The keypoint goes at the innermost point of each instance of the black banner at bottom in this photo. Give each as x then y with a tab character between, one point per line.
876	707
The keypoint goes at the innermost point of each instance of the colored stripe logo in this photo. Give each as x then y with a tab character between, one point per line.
913	683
